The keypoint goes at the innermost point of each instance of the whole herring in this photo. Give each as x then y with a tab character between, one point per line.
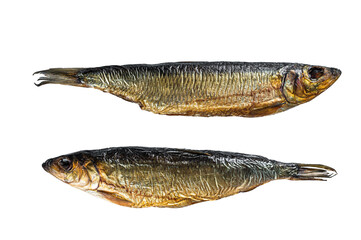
204	88
165	177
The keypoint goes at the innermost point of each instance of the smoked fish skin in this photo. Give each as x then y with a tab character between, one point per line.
166	177
204	88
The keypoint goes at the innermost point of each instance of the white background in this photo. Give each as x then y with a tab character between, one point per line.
39	123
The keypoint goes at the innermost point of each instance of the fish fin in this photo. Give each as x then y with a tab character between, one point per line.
181	203
65	76
312	172
115	199
265	110
253	187
195	152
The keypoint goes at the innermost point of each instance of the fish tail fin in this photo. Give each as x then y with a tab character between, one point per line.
310	172
65	76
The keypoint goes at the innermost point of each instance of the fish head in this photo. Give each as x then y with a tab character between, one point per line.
303	83
76	170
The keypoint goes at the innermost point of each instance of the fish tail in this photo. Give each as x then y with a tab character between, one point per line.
65	76
297	171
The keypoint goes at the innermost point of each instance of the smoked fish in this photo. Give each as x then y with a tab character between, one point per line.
204	88
164	177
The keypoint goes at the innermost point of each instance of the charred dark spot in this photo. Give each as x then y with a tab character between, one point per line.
65	164
315	73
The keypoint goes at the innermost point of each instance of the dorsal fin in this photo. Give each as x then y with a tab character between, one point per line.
197	152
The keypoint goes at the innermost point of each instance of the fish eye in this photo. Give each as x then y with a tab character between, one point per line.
315	73
65	164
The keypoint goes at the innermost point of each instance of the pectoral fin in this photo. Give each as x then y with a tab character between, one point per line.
115	199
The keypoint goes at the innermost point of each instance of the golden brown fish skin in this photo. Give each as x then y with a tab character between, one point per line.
163	177
205	88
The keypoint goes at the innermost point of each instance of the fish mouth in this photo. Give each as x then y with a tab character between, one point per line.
335	74
46	165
